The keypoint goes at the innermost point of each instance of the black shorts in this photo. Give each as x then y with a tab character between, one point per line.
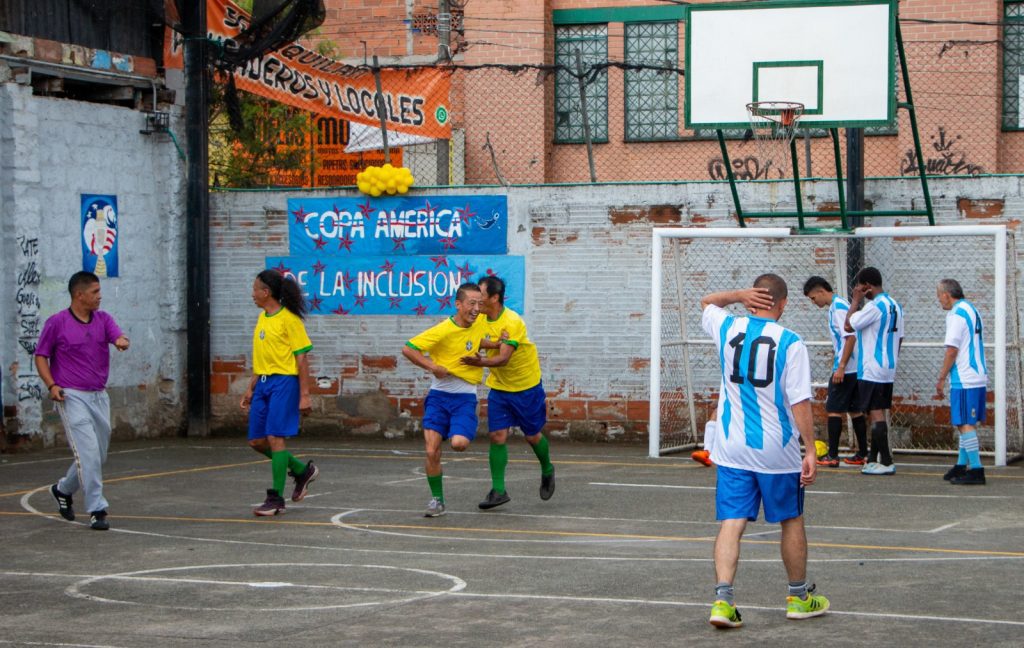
873	396
842	397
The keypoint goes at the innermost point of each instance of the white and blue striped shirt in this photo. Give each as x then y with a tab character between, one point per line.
879	327
964	333
838	333
765	371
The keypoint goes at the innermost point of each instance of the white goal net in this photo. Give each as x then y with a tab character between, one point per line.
688	263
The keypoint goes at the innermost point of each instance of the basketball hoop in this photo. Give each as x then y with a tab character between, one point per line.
773	125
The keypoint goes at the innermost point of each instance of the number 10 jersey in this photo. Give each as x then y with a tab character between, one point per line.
765	371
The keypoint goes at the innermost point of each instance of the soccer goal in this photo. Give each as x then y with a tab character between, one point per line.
688	263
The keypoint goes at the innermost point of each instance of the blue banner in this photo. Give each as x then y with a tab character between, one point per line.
99	234
398	225
397	285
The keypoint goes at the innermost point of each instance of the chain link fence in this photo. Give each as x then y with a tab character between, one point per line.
524	124
911	268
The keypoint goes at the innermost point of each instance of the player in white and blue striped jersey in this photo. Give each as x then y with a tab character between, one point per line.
968	378
842	384
879	328
764	409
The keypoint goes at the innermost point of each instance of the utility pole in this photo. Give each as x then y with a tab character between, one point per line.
854	200
444	55
197	219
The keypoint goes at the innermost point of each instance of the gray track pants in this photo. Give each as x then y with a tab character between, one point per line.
86	417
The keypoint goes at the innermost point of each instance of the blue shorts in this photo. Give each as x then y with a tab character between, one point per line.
967	406
450	414
739	494
526	410
274	410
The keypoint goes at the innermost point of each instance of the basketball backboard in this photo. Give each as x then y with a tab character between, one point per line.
837	58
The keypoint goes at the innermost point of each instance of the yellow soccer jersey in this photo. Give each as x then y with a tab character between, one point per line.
278	338
523	369
447	342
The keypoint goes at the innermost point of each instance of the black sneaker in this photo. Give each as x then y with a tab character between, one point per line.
955	471
303	481
494	499
973	477
98	522
273	505
547	485
63	503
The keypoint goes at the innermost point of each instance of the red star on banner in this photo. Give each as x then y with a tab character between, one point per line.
360	301
399	243
348	279
466	271
440	261
300	215
318	267
427	208
444	302
388	266
448	243
396	302
335	209
365	209
465	214
319	242
420	309
314	303
340	310
345	243
280	267
491	273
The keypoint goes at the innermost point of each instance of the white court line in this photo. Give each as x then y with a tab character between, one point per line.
433	554
808	491
12	464
22	642
619	601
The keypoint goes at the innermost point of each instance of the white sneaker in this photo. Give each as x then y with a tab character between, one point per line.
435	508
879	469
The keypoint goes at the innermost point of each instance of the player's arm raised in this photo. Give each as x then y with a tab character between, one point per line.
751	298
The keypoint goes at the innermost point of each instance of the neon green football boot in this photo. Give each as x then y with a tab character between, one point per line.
812	606
724	615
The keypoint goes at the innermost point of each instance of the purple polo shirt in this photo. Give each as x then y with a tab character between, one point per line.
79	352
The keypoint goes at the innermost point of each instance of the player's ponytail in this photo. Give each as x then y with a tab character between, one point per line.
285	291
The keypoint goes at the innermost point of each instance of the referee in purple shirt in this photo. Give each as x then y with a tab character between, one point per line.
73	359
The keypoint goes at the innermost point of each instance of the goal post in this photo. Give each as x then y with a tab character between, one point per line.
690	262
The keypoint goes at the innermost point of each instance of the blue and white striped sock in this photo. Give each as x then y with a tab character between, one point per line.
961	458
969	441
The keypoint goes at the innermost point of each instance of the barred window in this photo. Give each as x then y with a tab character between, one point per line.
592	43
1013	64
652	96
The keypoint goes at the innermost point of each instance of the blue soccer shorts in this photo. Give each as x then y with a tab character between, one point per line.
739	494
450	414
967	406
526	410
274	409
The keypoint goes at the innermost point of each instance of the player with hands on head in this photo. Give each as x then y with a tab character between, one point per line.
72	358
764	410
278	392
877	320
964	365
449	410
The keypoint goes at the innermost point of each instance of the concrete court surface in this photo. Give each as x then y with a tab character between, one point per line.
621	556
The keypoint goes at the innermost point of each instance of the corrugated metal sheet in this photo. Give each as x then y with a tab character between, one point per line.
124	26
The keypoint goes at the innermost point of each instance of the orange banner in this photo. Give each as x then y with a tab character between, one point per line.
415	100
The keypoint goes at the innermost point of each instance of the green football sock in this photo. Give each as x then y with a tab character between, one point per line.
498	458
297	467
543	455
279	466
436	487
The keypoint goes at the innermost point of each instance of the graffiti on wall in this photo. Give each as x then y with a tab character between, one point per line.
744	168
27	304
943	159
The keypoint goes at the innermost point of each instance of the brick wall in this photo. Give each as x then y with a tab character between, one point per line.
588	262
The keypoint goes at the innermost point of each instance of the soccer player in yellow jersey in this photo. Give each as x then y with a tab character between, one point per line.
517	395
449	410
279	389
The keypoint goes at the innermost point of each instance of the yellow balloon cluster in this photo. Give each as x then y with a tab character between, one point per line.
385	179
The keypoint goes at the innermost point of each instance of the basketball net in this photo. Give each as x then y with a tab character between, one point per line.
773	125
